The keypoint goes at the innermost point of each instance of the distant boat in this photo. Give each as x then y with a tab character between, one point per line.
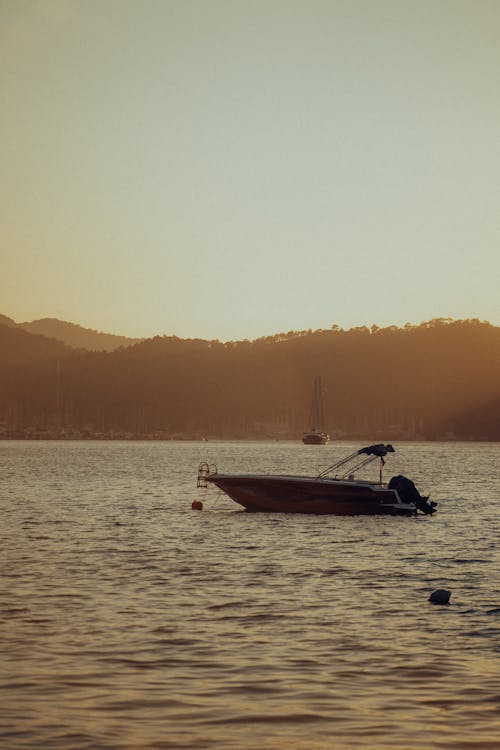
317	434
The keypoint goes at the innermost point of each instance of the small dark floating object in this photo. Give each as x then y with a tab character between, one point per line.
197	505
440	596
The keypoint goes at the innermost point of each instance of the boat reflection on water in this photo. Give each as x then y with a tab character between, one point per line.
335	491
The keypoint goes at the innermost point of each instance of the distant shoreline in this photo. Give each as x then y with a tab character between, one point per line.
213	439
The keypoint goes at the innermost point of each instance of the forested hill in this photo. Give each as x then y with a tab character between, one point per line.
72	334
438	379
23	349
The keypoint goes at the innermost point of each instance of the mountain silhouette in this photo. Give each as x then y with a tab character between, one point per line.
440	379
21	348
72	335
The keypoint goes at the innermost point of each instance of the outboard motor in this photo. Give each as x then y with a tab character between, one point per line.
409	494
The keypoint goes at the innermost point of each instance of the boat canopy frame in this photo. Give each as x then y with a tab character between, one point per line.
370	453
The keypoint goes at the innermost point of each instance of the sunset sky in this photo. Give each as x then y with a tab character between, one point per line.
230	169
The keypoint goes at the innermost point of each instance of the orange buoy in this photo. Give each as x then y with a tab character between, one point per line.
197	505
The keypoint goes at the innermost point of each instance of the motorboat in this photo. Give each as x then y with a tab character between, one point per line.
335	491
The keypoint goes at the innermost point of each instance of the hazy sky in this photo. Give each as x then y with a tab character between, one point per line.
229	169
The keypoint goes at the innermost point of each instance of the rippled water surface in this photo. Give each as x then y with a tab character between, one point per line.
128	620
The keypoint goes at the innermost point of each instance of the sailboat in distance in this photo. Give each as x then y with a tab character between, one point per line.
317	434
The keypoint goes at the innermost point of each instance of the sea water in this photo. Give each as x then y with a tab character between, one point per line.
130	621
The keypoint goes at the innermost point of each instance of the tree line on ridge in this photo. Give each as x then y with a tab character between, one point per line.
440	379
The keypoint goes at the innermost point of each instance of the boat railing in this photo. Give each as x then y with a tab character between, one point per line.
371	453
205	470
337	465
351	468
